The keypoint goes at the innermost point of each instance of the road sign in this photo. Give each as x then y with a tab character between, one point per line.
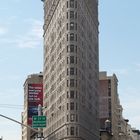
38	121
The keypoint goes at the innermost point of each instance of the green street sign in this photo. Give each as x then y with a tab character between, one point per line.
38	121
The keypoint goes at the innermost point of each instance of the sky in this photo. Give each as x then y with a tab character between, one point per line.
21	54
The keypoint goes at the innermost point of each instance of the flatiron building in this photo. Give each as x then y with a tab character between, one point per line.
71	69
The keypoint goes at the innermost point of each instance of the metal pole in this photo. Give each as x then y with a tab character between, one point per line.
39	129
19	123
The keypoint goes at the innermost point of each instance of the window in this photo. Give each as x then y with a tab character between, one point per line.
71	48
76	72
72	37
67	4
76	131
76	118
67	15
109	83
75	15
76	83
76	60
67	71
67	94
76	37
67	37
71	14
71	71
71	130
75	4
72	116
67	26
72	106
72	94
71	59
75	48
109	92
71	3
67	106
71	25
76	106
76	95
60	35
67	60
71	82
67	83
67	131
75	26
67	118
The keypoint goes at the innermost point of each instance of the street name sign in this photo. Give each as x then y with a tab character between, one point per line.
38	121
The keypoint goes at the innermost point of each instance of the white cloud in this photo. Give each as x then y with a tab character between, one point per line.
10	77
131	105
6	93
135	121
28	43
132	112
37	29
33	38
130	91
119	71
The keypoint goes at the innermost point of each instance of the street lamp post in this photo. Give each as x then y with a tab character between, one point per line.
39	129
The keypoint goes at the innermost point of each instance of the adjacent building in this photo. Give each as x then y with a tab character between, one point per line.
33	96
109	104
136	134
113	126
122	125
129	132
71	69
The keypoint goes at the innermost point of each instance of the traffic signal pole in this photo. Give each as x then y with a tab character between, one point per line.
13	120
